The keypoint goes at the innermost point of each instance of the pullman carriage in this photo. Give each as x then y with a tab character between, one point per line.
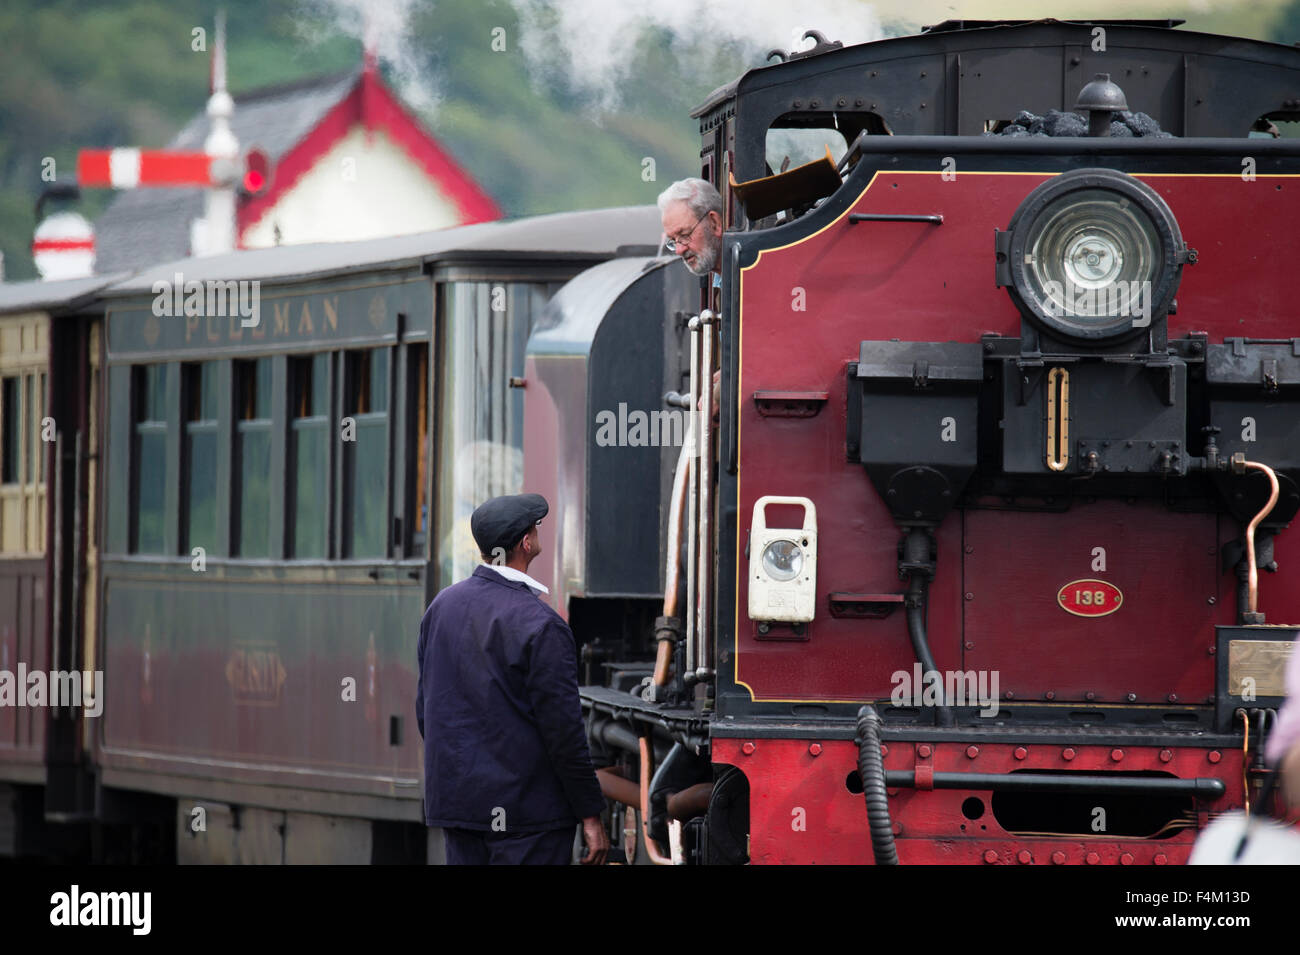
275	478
50	335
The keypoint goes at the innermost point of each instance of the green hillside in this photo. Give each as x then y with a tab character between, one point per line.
98	74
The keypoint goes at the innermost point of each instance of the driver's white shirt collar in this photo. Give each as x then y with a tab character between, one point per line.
509	573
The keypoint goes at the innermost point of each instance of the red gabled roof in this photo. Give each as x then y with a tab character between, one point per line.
372	105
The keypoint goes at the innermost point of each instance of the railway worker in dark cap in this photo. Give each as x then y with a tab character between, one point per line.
507	772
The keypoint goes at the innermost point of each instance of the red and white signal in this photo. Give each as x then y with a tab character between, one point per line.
132	168
63	247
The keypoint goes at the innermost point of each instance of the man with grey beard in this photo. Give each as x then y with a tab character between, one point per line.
691	213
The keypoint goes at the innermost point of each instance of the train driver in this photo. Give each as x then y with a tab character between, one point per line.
691	213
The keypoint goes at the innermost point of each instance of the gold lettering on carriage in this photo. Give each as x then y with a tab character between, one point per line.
255	674
288	320
203	322
293	319
209	298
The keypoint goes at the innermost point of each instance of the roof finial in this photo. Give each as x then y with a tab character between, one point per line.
217	65
218	229
221	141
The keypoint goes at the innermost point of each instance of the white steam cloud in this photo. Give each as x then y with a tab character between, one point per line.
593	43
383	26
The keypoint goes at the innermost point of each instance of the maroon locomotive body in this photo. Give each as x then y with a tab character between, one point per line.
993	521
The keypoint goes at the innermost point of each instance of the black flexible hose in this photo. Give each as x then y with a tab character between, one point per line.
1257	808
916	601
872	770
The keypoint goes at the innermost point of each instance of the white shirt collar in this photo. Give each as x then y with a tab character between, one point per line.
509	573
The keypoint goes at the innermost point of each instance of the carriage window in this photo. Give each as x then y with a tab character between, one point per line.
150	453
37	459
33	433
418	442
365	453
201	412
309	453
22	457
252	466
11	436
485	329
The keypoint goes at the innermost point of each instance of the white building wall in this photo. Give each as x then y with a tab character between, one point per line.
364	187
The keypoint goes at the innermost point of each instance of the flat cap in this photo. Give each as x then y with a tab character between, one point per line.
502	521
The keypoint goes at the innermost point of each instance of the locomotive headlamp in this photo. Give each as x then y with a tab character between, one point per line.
783	564
1092	254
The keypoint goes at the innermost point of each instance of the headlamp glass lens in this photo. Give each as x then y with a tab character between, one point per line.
1092	258
782	560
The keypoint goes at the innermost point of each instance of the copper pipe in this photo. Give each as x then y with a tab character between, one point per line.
663	660
1253	600
657	857
1245	760
691	802
614	786
676	509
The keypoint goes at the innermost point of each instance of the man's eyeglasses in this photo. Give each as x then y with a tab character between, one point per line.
674	243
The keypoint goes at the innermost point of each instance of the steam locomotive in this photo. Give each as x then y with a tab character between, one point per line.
984	560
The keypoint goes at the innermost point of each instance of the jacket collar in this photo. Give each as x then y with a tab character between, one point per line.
508	575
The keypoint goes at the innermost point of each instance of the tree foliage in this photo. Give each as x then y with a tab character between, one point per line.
87	73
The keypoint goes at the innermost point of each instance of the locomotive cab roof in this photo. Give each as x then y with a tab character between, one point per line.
966	78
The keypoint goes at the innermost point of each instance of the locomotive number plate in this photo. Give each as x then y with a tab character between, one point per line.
1089	598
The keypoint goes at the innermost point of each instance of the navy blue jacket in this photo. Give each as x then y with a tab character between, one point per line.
498	709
